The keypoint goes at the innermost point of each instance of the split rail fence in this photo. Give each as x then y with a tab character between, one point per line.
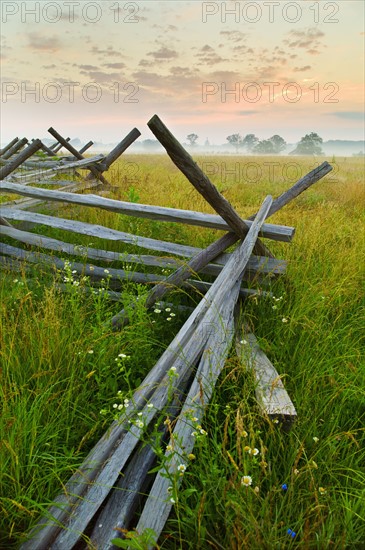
113	483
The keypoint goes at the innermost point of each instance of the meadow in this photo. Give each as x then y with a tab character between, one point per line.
61	366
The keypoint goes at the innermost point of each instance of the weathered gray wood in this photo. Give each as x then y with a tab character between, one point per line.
46	149
201	182
19	159
121	504
8	146
203	287
64	167
31	203
208	255
255	265
98	231
112	274
124	499
301	185
158	505
98	489
39	163
9	264
115	296
181	353
14	148
91	271
5	223
86	147
58	146
207	374
271	395
181	274
93	169
120	148
270	231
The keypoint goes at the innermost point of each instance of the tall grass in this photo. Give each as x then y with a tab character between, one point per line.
60	367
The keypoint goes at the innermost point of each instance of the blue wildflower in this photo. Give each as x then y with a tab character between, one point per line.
284	487
291	533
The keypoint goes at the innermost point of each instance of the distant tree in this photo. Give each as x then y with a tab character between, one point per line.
310	144
249	142
279	144
264	147
192	138
235	140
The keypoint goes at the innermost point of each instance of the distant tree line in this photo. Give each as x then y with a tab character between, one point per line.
310	144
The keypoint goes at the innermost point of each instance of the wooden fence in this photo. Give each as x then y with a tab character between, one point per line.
113	481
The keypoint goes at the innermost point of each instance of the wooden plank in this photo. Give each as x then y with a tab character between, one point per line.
14	148
120	148
271	395
97	231
121	319
158	504
46	149
91	271
96	272
8	146
301	185
94	170
19	159
201	182
33	176
5	223
86	147
255	265
270	231
115	296
58	146
131	488
31	203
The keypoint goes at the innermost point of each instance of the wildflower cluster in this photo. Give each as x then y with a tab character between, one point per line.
167	311
198	431
276	306
251	451
69	276
120	361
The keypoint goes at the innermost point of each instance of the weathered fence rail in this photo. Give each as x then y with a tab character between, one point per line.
104	492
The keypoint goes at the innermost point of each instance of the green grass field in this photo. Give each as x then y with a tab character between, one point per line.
60	367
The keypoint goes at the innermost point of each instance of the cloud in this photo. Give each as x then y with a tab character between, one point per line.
163	54
234	36
182	71
207	56
53	66
42	43
145	63
302	69
307	39
109	52
101	77
114	65
86	67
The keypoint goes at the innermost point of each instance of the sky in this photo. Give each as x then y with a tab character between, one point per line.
95	70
